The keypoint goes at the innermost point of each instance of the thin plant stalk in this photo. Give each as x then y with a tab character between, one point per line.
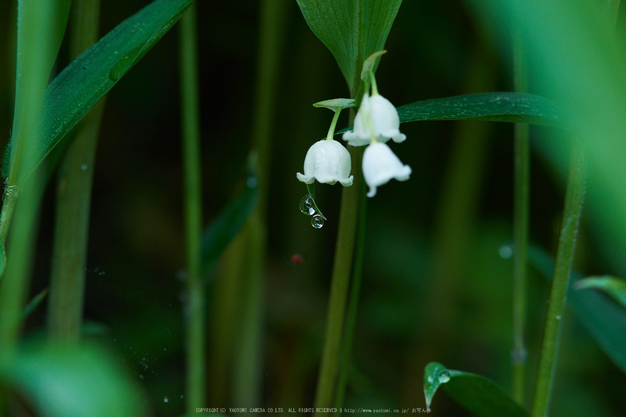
247	372
574	197
73	199
355	290
40	28
190	115
337	300
237	355
521	211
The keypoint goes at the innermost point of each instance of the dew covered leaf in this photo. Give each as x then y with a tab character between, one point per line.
80	380
475	393
351	29
90	76
603	319
227	225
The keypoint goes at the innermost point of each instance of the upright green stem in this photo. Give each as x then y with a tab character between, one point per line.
344	251
74	186
520	227
237	357
190	115
565	254
355	290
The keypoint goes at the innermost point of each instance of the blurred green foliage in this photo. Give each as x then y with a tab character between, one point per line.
413	309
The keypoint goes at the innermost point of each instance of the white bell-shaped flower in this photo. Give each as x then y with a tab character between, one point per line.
327	161
377	118
380	165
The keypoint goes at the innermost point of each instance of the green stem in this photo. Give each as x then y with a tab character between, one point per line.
190	115
74	186
565	254
340	281
333	124
9	199
520	228
355	289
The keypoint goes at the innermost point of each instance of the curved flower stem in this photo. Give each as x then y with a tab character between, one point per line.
574	197
372	79
190	114
520	228
333	124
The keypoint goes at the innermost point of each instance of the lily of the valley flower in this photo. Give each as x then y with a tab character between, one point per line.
327	161
380	165
377	119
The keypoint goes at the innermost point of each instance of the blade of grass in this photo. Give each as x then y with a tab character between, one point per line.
574	198
521	209
195	303
74	186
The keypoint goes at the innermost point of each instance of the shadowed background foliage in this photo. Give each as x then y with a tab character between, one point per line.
436	284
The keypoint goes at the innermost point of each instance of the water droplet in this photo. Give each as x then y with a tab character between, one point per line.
306	205
558	317
505	252
443	377
317	221
83	167
165	399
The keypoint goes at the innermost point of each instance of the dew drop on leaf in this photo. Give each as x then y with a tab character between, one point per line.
317	221
306	205
443	377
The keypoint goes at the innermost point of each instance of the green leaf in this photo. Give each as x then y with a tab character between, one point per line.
492	107
603	319
489	107
82	83
335	103
40	28
351	29
79	380
477	394
227	225
613	286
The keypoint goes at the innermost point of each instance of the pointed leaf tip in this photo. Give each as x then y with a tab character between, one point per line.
435	374
335	104
370	63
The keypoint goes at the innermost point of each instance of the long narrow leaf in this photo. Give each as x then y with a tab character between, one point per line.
603	319
488	107
227	225
79	86
477	394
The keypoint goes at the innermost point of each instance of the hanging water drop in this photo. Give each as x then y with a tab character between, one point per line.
307	206
165	399
317	221
443	377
